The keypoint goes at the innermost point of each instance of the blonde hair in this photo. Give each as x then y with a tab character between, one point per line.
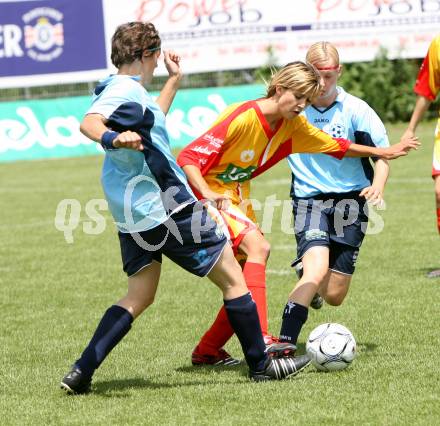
322	51
300	77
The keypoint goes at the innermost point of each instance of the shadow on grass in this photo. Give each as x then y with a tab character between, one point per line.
117	387
431	272
210	369
365	347
120	388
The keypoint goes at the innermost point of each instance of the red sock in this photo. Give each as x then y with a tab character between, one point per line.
438	220
221	331
217	336
255	277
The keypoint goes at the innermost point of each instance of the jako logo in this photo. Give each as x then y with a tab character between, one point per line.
43	34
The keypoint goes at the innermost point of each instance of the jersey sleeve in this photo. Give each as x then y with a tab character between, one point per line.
305	139
205	152
309	139
428	78
121	105
368	128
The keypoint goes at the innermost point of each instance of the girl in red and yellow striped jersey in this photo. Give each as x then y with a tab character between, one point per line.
427	87
247	139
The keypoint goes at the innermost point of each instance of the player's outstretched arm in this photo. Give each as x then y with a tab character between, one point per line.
394	151
94	127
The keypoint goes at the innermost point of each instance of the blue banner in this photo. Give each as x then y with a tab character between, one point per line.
51	36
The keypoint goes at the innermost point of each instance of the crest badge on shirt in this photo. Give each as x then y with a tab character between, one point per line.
337	130
247	156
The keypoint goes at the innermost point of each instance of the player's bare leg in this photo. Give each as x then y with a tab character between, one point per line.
114	325
142	289
210	349
315	266
226	274
436	272
334	287
437	199
243	317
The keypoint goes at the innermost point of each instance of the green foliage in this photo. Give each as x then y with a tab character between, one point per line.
264	73
386	85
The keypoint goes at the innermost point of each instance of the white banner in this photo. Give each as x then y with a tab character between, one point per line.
216	35
210	35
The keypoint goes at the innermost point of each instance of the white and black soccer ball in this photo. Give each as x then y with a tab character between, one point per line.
331	347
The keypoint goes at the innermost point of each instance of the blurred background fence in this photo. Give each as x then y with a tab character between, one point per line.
385	84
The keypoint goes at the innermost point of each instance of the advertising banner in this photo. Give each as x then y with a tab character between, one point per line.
50	128
52	41
60	41
213	35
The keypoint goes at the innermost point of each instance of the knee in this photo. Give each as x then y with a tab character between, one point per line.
148	301
334	300
262	250
437	187
139	305
315	278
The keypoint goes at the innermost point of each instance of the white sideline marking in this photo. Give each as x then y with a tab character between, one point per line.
410	180
284	247
278	271
286	181
273	182
13	189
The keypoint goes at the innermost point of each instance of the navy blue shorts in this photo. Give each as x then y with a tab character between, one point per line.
336	221
189	238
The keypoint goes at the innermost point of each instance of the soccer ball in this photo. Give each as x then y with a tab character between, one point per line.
331	347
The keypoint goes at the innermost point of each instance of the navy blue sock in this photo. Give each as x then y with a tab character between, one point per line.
114	325
294	316
243	316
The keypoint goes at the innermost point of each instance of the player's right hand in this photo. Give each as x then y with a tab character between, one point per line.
221	201
402	148
128	140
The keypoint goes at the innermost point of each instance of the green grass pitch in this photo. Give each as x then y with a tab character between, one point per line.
54	293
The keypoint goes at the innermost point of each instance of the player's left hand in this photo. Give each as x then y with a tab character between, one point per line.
172	63
373	195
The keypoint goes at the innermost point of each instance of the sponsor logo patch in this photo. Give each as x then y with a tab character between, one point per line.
315	235
236	174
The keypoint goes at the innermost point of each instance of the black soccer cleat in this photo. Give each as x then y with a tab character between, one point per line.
317	302
299	270
280	368
280	349
75	382
222	358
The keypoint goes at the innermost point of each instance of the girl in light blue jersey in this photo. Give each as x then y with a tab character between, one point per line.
330	196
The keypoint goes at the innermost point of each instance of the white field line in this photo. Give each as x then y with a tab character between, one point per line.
283	272
285	181
284	247
271	182
45	223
